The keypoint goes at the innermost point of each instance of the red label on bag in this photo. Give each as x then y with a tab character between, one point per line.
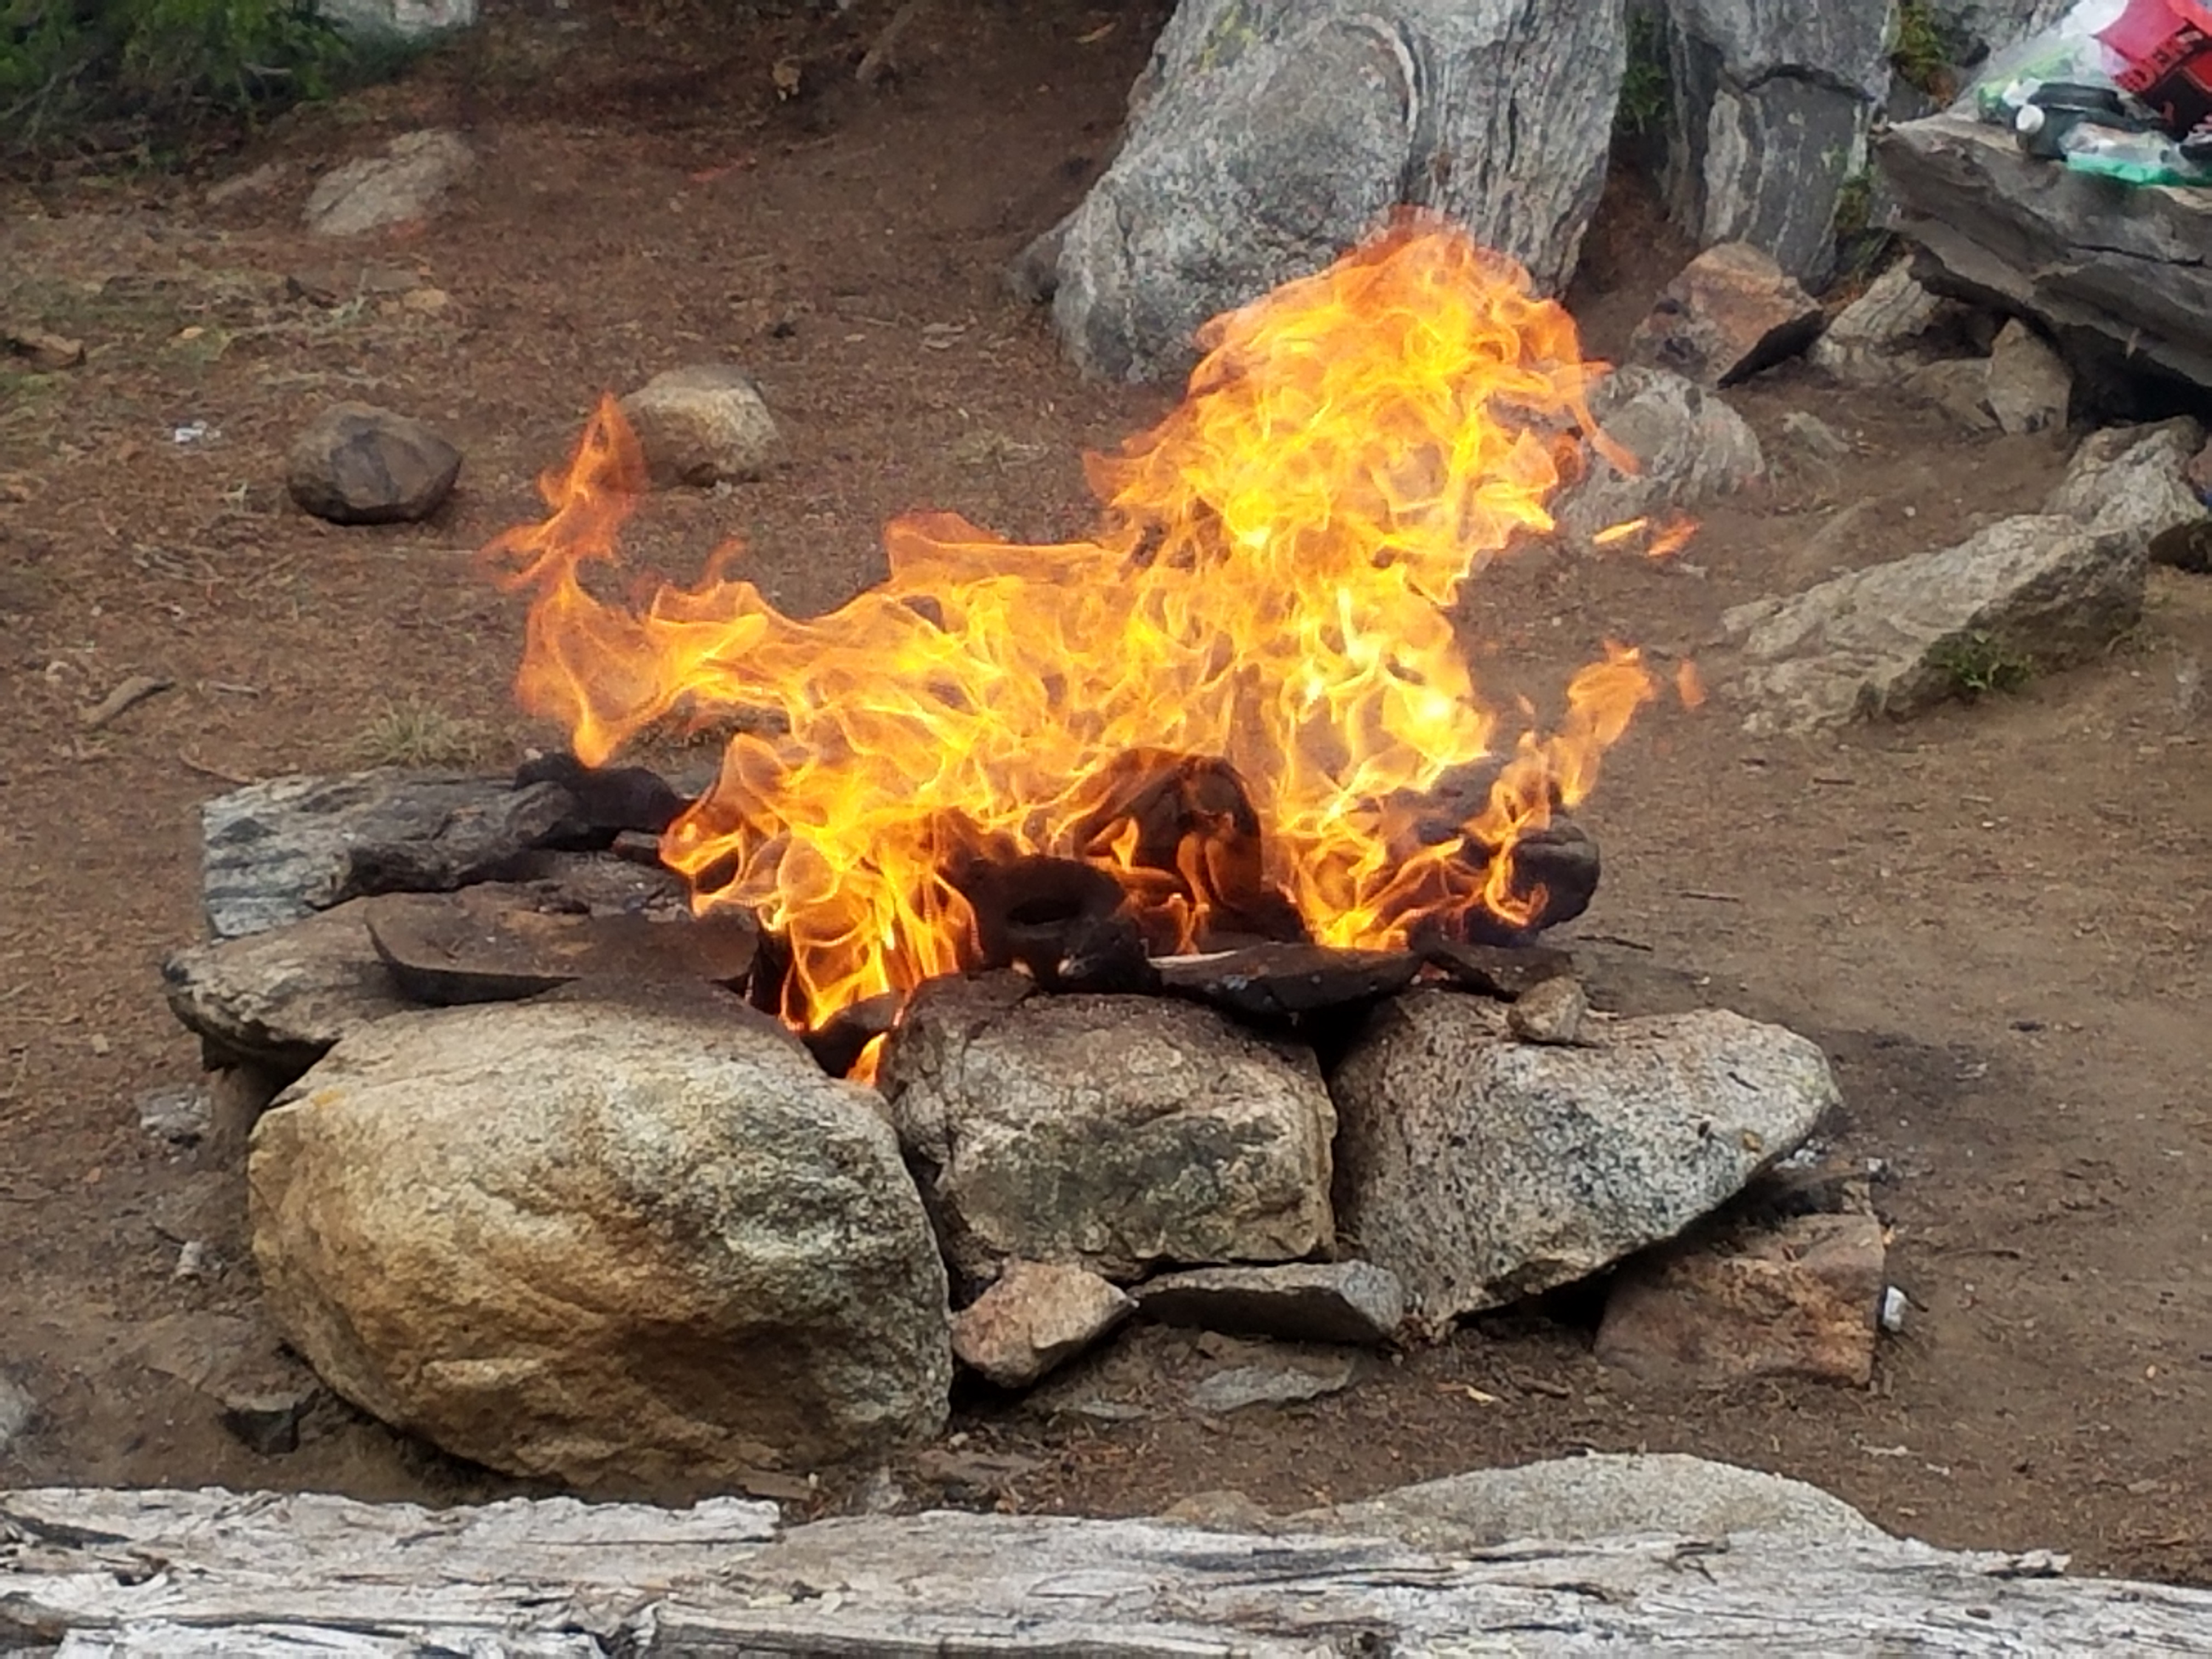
2164	49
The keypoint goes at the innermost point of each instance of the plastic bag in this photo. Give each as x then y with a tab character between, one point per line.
2069	53
2132	157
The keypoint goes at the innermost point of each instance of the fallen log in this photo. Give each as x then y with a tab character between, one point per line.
185	1575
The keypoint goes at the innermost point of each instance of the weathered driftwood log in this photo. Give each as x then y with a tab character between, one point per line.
193	1575
2119	272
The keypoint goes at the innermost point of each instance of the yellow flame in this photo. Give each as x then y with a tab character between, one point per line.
1268	585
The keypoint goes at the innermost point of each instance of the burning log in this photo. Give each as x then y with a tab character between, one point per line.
1186	822
610	801
1555	870
1289	982
840	1041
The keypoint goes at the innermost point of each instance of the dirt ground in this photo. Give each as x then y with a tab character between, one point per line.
1994	917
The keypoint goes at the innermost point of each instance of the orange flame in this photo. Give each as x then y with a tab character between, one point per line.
1268	586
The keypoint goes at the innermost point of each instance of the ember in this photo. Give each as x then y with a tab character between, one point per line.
1235	698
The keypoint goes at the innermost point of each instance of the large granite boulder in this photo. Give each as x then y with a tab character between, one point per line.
2027	595
1481	1169
1266	136
1771	104
597	1242
1113	1132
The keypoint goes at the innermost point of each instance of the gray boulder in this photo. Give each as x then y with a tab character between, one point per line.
358	463
1975	28
1113	1132
409	181
2132	481
1728	313
1771	104
1690	448
1266	136
595	1241
1481	1169
397	22
2027	595
2030	387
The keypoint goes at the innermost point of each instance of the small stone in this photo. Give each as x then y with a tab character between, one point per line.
45	353
1802	1300
2132	482
1815	436
268	1420
2031	388
2199	474
1872	341
16	1410
1221	1511
1037	1317
408	182
426	302
703	425
1893	1305
179	1113
1960	386
1731	313
1298	1302
239	187
1550	1013
1285	1384
194	1261
356	464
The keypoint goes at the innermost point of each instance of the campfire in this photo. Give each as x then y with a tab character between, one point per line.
1235	712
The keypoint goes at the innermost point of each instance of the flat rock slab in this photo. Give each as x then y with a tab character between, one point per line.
1037	1315
2027	594
1492	970
1284	1383
1115	1131
1802	1298
1298	1300
2121	271
1876	340
284	998
1730	313
1481	1169
584	1239
358	463
275	851
481	944
1285	981
2031	389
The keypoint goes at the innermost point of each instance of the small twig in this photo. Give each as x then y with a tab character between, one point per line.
125	697
1711	898
192	763
1614	938
877	61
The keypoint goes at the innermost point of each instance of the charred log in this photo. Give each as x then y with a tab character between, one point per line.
608	801
1288	983
840	1041
1062	920
1490	970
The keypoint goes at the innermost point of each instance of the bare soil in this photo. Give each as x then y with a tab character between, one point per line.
1994	917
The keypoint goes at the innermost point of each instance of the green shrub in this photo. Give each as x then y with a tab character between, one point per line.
1645	86
1923	51
161	67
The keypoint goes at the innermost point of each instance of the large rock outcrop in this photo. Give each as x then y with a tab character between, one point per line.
1772	100
1481	1169
603	1243
1113	1132
2118	277
1266	136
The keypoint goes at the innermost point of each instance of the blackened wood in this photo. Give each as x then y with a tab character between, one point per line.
1027	909
1491	970
610	800
838	1041
1288	982
479	945
1556	866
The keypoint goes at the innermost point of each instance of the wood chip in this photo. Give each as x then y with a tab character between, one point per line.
44	352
